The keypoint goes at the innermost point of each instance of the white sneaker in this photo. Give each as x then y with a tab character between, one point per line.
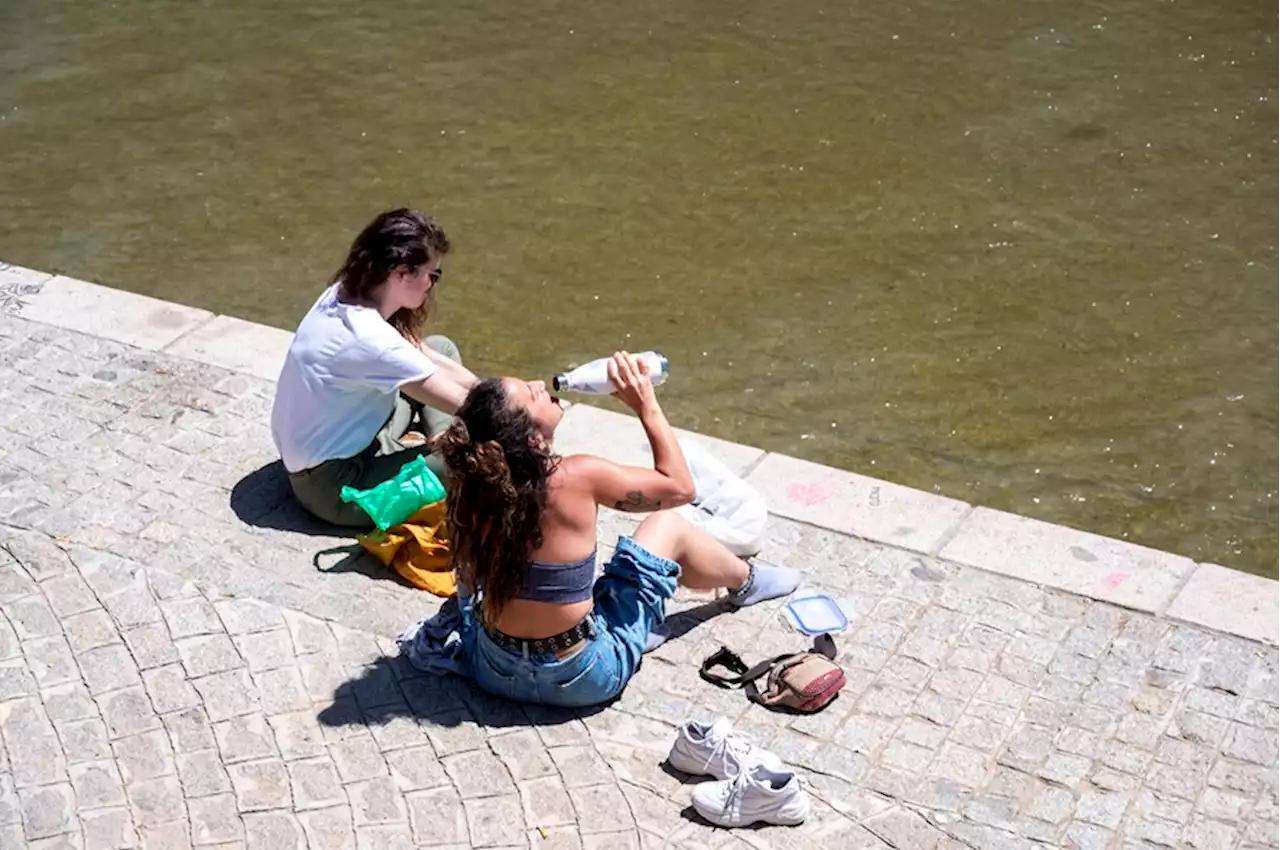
756	795
714	749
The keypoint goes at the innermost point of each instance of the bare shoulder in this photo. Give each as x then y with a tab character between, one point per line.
585	475
573	474
569	496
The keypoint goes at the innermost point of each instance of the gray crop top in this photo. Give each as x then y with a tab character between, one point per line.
559	582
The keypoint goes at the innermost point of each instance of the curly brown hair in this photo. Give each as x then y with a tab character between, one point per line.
395	238
498	471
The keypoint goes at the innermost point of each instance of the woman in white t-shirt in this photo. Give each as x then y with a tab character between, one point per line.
361	392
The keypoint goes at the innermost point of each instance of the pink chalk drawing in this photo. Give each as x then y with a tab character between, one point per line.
1114	580
810	494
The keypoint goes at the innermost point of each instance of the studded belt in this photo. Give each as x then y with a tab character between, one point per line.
555	643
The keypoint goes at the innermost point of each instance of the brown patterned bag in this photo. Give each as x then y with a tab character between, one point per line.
805	682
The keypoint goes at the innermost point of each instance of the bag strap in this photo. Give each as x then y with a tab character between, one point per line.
753	691
727	658
723	657
745	677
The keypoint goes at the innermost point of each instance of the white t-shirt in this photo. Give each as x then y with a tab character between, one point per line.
339	382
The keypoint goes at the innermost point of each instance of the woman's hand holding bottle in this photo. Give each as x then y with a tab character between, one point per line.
634	388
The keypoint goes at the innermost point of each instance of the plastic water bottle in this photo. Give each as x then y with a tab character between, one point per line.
593	377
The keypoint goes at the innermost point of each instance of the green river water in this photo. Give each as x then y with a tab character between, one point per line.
1022	254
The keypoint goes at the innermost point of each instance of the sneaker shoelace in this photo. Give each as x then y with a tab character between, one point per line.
739	748
737	790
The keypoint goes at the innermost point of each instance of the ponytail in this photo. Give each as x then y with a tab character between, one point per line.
498	471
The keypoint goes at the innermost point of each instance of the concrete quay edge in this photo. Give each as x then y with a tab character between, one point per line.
1038	552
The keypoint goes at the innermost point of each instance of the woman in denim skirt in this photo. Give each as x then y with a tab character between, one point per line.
522	523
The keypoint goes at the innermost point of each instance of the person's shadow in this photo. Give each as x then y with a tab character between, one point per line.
392	687
263	499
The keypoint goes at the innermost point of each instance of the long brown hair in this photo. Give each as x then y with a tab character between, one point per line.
395	238
498	469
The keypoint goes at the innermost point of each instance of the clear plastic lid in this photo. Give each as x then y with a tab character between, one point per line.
817	614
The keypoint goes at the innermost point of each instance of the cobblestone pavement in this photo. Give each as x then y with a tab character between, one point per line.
186	661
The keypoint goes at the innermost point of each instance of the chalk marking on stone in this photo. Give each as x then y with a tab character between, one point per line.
810	494
1114	580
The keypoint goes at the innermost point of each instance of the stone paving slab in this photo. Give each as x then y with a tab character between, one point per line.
181	664
1088	564
236	345
109	313
1229	601
15	280
855	504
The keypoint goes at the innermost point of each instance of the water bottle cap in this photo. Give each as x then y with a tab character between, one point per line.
559	381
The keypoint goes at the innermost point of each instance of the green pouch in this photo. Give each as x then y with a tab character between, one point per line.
392	502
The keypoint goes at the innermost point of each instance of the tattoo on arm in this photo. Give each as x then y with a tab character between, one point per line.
635	502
